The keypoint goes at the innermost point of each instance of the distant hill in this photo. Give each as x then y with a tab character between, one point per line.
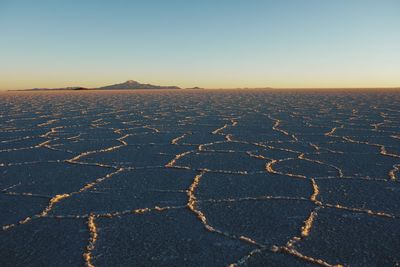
128	85
194	88
55	89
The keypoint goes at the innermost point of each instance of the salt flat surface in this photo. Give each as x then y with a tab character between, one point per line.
200	178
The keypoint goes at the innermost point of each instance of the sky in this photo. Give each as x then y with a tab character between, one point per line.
208	43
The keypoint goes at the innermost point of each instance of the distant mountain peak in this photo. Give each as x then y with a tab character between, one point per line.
132	84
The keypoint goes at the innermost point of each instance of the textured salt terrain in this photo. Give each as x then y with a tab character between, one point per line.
200	178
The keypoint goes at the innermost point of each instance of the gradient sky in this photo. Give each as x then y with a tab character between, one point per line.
208	43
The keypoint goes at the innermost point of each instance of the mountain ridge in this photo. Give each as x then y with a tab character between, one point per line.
128	85
131	84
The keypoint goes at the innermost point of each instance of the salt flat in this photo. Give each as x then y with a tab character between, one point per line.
200	178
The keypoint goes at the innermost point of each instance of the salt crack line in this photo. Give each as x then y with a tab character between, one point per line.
58	198
192	206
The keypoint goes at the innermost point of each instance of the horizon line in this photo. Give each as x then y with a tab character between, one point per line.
202	88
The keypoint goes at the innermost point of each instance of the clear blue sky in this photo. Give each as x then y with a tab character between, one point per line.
209	43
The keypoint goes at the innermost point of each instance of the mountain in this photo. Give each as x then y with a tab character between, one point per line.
128	85
135	85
